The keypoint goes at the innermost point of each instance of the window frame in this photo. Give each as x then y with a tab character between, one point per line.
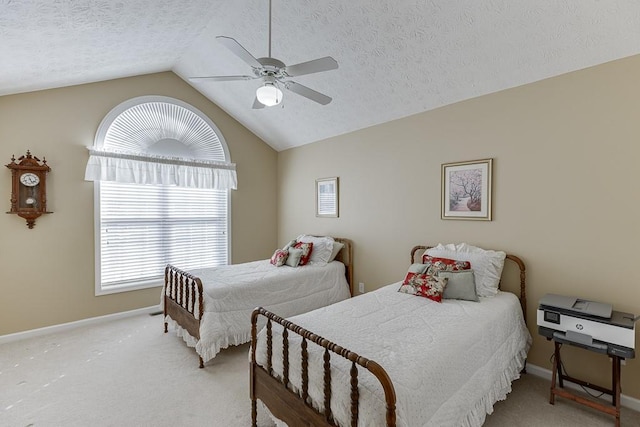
99	139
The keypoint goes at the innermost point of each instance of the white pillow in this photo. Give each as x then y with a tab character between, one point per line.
322	247
486	264
337	247
293	259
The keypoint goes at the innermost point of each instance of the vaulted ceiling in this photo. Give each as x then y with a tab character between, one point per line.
396	57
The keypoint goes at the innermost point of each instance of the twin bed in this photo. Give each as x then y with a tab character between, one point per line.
211	308
427	363
435	364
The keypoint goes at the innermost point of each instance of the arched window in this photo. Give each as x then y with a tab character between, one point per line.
162	177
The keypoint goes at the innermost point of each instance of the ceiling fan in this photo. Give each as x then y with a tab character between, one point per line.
274	73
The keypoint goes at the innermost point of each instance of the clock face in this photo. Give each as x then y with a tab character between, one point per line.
29	179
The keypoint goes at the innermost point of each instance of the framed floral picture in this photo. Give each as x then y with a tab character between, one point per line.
327	197
466	190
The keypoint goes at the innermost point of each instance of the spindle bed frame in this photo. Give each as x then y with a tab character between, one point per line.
183	292
296	408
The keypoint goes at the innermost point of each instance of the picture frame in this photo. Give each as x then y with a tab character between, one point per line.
327	197
466	190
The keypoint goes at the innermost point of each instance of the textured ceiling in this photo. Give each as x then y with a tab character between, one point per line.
396	57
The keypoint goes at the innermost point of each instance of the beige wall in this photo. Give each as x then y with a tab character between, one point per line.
566	192
48	272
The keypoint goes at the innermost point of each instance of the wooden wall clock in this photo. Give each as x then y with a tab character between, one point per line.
28	187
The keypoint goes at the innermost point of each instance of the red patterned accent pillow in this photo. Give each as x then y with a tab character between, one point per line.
279	257
424	285
444	264
306	251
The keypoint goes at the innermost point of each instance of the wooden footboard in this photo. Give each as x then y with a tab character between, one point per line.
183	301
295	408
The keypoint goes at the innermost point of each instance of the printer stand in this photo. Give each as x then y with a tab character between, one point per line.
614	392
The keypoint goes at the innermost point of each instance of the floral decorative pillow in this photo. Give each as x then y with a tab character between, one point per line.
279	257
444	264
424	285
306	251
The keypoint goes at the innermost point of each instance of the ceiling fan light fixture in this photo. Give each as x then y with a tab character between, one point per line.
269	95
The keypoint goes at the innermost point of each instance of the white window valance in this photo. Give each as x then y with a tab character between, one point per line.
161	141
154	169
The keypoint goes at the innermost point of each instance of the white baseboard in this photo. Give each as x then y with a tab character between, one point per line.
626	401
72	325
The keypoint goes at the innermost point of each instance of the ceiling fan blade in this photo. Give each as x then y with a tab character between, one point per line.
315	66
307	93
222	78
239	51
257	104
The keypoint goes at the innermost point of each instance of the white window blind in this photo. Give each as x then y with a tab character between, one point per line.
327	197
145	227
327	200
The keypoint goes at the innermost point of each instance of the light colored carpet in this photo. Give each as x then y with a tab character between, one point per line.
128	373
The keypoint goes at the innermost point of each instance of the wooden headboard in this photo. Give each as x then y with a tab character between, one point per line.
418	251
345	256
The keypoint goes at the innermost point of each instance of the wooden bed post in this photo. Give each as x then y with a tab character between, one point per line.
523	293
164	297
252	369
345	256
183	296
293	407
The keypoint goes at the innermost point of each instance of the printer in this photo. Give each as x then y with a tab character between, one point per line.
588	324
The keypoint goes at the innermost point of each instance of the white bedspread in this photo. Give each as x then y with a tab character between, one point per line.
449	362
232	292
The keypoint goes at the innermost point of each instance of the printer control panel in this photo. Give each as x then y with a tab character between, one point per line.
552	317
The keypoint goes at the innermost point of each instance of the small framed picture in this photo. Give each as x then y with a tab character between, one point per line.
466	190
327	197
